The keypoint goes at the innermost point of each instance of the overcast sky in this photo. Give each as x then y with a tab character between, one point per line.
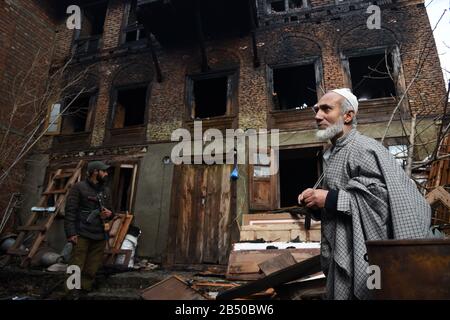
435	9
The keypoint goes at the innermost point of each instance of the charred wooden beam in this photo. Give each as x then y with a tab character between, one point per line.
291	273
256	62
201	36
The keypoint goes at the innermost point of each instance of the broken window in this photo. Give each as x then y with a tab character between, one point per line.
299	170
277	6
211	95
294	87
77	115
274	6
296	4
93	20
372	76
129	108
133	30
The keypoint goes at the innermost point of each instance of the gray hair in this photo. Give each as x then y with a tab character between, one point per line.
346	106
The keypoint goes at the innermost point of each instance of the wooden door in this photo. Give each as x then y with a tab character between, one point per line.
264	191
202	215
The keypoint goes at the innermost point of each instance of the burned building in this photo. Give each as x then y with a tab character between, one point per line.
156	66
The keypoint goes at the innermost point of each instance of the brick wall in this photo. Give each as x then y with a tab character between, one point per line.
408	28
27	33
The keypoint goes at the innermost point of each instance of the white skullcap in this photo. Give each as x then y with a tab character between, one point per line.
347	94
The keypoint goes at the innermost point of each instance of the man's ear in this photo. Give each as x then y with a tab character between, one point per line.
348	117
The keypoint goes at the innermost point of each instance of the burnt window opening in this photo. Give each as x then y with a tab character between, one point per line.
133	30
277	6
371	76
92	24
210	96
75	117
130	106
93	19
294	87
295	4
299	169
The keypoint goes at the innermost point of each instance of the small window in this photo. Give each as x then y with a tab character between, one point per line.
75	117
294	87
129	109
274	6
210	97
295	4
133	30
277	6
94	18
371	76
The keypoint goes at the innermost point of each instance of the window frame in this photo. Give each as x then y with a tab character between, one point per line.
127	27
318	72
267	3
232	89
113	104
89	117
397	71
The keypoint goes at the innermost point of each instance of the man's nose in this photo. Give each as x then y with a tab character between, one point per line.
318	116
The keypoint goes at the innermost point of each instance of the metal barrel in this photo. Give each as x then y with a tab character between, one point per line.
412	269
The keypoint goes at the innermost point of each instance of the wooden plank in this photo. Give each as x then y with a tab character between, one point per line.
300	290
243	264
291	273
439	194
277	263
172	288
123	230
59	191
286	218
32	228
211	218
224	224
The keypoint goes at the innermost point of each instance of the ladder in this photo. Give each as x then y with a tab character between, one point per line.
52	200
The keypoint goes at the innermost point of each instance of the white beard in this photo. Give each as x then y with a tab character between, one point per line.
331	131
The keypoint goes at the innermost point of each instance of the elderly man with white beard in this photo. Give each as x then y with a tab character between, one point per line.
365	195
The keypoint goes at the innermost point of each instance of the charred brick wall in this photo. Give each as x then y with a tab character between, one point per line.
406	27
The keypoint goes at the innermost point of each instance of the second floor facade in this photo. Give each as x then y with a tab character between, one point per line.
150	67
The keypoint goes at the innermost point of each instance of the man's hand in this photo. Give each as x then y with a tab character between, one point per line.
105	213
73	239
313	198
